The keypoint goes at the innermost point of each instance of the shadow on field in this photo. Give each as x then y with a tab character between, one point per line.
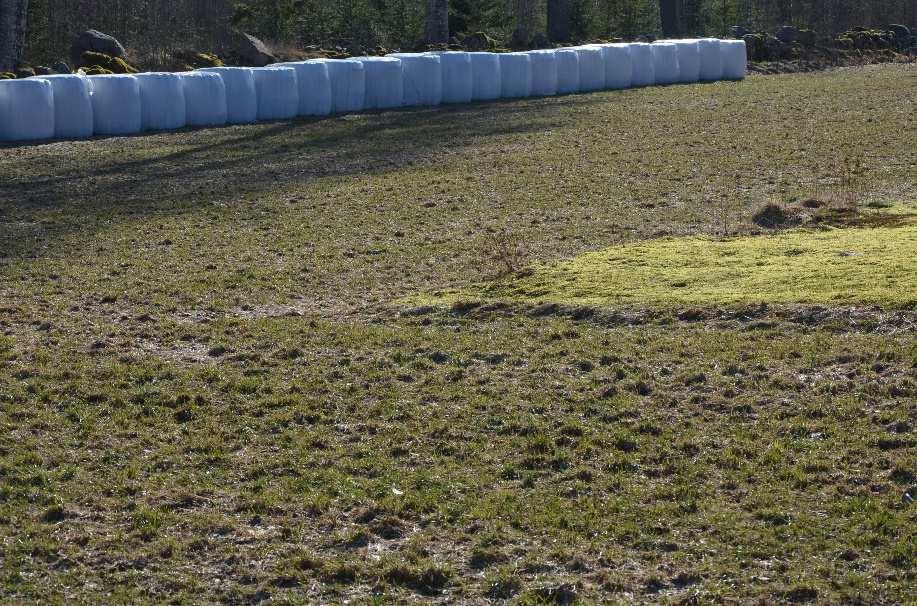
95	182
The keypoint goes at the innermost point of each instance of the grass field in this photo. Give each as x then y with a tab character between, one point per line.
472	354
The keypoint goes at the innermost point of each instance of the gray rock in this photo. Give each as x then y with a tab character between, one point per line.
787	34
97	42
43	70
61	67
251	51
902	32
738	31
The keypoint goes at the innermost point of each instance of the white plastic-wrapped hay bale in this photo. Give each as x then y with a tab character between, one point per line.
735	59
544	73
278	92
711	60
567	71
458	82
485	76
643	63
116	108
348	85
384	82
591	68
618	66
515	75
422	76
26	110
688	60
72	106
665	62
205	99
162	101
241	95
314	87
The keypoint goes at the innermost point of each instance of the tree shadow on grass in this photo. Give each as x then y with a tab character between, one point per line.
87	183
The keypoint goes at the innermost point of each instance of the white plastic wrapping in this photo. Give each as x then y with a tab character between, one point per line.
422	74
591	68
384	82
314	87
618	66
457	79
485	76
278	92
711	60
515	75
735	59
116	106
688	61
348	85
72	106
544	73
567	71
26	110
241	95
205	99
665	62
162	101
644	64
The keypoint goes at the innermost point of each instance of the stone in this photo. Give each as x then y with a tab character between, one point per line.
738	31
902	32
787	34
96	42
903	36
43	70
250	51
61	67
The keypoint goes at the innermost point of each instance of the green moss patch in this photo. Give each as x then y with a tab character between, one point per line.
834	267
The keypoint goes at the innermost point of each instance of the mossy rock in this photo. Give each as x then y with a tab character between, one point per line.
95	70
115	65
190	60
7	76
324	53
24	72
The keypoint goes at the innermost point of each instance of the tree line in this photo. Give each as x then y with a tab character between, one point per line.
41	30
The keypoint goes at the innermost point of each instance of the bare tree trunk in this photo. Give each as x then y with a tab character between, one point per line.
525	20
437	26
558	20
12	32
669	11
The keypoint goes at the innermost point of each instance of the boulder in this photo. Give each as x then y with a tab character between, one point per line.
902	32
250	51
114	65
61	67
738	31
787	34
754	46
43	70
95	42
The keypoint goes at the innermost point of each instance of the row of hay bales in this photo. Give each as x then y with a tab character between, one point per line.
77	106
